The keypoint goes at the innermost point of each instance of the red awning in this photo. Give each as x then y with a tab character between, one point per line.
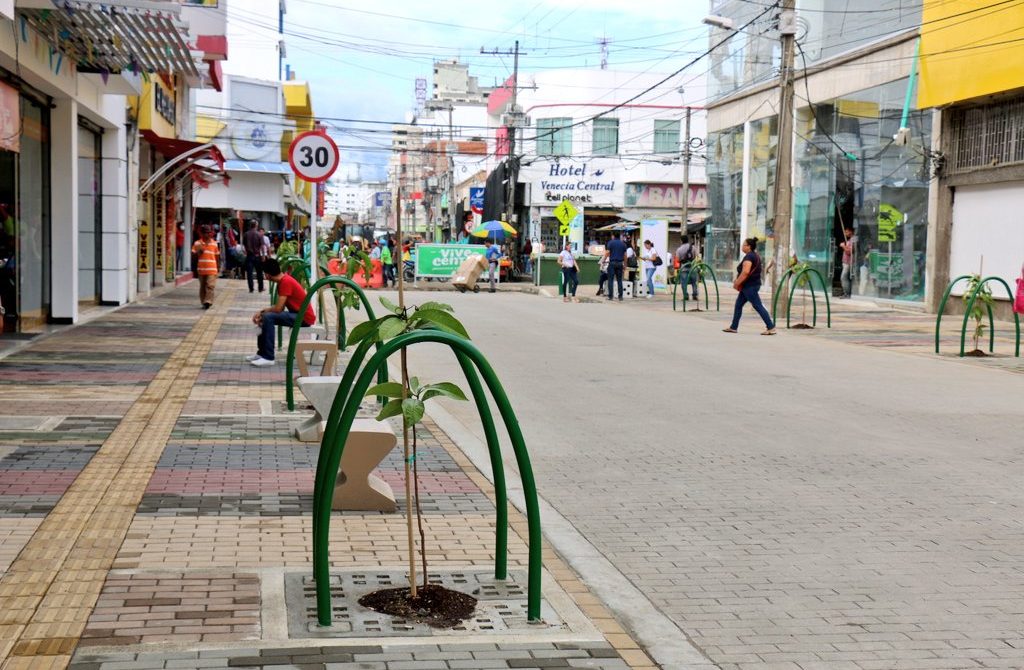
204	163
170	147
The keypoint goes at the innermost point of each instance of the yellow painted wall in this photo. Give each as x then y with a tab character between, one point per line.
969	48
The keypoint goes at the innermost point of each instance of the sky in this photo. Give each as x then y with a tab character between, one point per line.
362	59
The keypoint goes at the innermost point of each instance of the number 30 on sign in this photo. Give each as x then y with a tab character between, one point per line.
313	156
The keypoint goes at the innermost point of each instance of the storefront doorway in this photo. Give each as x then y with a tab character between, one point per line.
25	220
90	237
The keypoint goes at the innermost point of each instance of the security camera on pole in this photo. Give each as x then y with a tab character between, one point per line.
314	157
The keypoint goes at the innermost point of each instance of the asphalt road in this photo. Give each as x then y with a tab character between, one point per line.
785	502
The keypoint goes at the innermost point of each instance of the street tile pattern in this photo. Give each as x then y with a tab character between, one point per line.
476	656
179	608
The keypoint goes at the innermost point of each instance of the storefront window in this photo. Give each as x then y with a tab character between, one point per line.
25	223
725	188
850	172
764	143
34	221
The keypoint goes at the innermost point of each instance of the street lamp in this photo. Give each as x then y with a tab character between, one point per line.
723	22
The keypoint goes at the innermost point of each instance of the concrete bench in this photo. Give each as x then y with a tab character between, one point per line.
357	488
320	392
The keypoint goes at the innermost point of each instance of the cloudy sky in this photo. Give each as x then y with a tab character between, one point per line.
362	59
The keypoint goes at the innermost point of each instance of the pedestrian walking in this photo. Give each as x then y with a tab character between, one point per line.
527	257
686	254
652	261
253	243
493	257
848	245
616	255
266	249
179	245
631	264
207	253
570	273
386	262
290	296
602	268
748	283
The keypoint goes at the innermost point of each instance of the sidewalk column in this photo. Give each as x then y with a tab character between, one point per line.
64	210
115	209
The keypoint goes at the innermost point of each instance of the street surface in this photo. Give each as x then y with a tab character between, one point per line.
788	502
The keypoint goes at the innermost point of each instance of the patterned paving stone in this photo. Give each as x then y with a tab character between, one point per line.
539	655
175	608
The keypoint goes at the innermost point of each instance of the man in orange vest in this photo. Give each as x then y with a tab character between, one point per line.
207	252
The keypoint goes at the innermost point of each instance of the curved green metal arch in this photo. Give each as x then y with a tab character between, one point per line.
814	299
942	307
991	329
707	304
330	280
493	446
331	453
778	291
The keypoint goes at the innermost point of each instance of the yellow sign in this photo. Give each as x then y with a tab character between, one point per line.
888	219
143	246
565	213
967	53
156	107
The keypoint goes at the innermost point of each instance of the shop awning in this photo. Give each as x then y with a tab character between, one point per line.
115	35
257	166
204	163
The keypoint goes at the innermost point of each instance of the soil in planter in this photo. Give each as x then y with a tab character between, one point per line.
434	605
803	326
976	352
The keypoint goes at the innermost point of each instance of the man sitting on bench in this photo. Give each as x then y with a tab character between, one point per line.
290	295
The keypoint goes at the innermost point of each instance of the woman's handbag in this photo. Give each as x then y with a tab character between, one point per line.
1018	301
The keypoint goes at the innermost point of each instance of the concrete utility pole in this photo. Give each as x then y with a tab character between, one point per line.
510	128
685	194
784	154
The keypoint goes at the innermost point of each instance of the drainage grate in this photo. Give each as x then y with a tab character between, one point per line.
501	606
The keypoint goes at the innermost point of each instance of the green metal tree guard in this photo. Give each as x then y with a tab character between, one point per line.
814	300
331	280
699	268
991	328
942	308
336	435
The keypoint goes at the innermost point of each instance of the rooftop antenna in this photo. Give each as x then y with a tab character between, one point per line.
604	42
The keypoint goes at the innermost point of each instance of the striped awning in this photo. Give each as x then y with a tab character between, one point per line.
115	35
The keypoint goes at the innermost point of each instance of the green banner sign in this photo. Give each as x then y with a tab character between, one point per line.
442	260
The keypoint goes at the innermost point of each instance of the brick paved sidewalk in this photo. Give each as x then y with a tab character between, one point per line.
155	513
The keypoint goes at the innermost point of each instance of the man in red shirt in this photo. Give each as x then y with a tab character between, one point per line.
290	295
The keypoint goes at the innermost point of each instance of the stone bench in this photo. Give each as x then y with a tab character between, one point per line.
357	488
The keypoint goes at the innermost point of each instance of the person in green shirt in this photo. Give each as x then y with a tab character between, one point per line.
385	259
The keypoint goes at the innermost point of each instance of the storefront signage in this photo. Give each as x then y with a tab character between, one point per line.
158	235
576	181
476	199
442	260
10	119
381	198
665	196
143	247
164	104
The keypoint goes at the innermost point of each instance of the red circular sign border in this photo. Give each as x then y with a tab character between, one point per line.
291	156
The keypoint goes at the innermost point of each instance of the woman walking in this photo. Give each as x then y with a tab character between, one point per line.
651	262
748	283
570	273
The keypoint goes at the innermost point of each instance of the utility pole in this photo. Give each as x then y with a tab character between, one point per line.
510	129
685	194
784	153
451	149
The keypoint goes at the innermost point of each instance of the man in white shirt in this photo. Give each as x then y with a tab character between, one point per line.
570	273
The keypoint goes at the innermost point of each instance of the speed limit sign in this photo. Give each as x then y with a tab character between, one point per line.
313	156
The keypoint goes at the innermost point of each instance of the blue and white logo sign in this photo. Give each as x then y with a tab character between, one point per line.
476	199
381	198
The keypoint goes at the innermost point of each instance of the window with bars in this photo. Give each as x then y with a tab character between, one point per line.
989	136
554	137
666	137
606	137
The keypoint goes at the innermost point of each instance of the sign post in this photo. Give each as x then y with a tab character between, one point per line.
314	157
565	213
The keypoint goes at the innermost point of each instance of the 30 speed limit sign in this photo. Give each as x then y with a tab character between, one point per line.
313	156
